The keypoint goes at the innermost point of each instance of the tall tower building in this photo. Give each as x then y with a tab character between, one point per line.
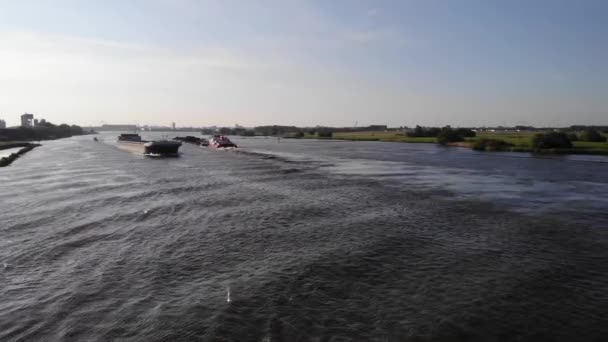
26	120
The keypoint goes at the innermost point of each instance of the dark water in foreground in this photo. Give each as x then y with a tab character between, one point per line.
300	241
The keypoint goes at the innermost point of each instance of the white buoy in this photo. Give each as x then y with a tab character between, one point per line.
228	300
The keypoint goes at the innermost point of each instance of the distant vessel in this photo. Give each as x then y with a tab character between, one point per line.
133	142
220	141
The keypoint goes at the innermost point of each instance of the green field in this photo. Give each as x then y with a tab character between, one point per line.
381	136
521	141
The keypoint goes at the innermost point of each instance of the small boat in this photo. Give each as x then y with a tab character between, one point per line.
95	139
133	142
221	141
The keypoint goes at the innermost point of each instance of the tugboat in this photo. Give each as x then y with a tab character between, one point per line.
158	148
221	141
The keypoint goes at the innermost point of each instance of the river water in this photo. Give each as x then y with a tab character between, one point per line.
7	152
302	240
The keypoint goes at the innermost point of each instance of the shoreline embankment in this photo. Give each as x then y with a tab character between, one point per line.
6	161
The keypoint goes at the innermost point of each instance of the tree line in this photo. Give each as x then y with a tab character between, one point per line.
444	134
292	131
44	131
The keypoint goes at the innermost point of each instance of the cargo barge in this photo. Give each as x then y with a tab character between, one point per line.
193	140
132	142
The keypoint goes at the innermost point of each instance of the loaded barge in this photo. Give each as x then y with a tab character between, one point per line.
159	148
193	140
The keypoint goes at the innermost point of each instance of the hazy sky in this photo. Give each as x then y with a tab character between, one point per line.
327	62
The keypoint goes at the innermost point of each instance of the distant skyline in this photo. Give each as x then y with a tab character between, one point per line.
305	63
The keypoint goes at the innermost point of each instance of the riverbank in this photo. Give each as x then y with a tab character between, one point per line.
6	161
4	145
517	141
522	142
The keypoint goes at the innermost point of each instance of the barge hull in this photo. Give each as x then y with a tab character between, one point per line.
153	149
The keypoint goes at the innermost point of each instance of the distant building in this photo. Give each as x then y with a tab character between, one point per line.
173	126
26	120
2	124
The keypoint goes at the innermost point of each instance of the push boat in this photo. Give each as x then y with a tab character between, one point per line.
221	141
133	143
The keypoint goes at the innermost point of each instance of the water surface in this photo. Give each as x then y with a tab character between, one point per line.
7	152
311	240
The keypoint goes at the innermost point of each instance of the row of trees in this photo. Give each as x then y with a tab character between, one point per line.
446	131
551	140
444	135
564	140
589	134
580	128
276	130
44	131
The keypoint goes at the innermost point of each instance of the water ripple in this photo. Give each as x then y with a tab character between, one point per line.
314	241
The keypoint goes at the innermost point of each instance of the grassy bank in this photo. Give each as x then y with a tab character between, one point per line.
381	136
520	141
